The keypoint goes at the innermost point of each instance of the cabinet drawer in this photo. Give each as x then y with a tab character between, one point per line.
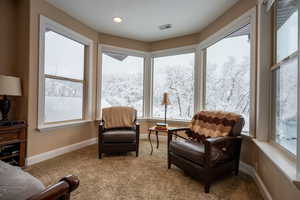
12	135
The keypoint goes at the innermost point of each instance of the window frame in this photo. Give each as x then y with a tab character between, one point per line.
47	24
248	18
174	52
276	65
298	108
108	48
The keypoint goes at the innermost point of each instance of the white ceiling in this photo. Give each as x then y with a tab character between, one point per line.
141	18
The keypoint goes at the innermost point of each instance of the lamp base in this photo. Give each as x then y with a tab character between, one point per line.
4	107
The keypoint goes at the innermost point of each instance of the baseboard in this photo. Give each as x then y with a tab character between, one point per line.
57	152
247	169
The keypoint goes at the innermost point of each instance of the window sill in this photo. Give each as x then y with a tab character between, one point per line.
51	127
155	120
284	162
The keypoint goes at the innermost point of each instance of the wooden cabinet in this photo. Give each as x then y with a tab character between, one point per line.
13	143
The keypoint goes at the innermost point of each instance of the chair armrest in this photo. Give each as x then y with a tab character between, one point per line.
137	124
101	126
221	143
178	129
222	148
172	130
217	140
137	127
60	190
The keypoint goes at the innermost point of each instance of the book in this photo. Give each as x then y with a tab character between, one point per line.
161	125
161	128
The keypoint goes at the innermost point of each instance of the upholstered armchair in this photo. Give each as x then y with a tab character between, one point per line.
211	147
118	131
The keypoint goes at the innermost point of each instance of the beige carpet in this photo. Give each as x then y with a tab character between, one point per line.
146	177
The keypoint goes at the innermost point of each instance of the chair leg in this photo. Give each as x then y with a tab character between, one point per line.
100	151
206	187
169	164
236	171
100	145
236	168
137	148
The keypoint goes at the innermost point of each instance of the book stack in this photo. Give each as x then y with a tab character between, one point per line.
161	126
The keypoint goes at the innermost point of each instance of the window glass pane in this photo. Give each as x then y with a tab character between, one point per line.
228	74
63	57
122	81
63	100
286	105
174	75
287	28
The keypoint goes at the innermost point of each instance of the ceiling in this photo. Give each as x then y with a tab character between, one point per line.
141	18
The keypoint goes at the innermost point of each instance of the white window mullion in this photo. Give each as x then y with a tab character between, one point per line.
253	74
197	81
202	79
264	78
298	109
147	86
99	83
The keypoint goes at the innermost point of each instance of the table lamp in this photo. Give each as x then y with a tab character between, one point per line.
166	102
9	86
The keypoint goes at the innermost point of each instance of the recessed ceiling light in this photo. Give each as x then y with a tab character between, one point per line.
165	26
117	19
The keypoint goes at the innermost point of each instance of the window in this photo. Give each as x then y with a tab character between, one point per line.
122	80
286	74
64	68
228	70
175	75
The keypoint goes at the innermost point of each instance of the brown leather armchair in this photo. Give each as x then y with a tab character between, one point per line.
206	158
118	131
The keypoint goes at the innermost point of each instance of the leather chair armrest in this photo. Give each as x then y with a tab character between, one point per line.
217	140
137	124
60	190
137	130
137	127
174	130
220	148
101	126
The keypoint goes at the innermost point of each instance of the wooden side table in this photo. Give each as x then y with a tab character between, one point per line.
156	131
15	134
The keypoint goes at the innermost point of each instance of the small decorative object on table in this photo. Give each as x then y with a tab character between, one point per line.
161	126
9	86
166	102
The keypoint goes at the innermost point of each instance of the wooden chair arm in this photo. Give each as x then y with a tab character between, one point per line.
172	130
60	190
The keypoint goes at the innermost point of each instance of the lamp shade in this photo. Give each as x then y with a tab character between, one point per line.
166	100
10	86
